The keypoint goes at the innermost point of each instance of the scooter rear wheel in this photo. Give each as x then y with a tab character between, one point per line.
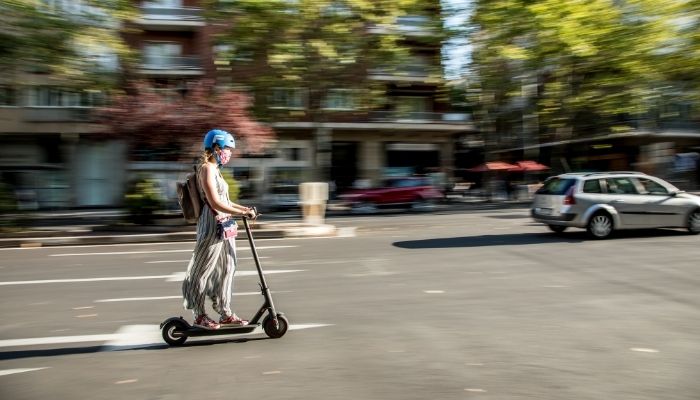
170	330
275	332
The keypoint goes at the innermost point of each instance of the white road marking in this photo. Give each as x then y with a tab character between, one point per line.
83	308
272	372
644	350
86	316
475	390
56	340
19	370
170	297
111	278
174	277
129	336
112	253
126	381
433	291
188	260
180	276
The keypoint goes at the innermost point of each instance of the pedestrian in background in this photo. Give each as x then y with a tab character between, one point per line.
211	269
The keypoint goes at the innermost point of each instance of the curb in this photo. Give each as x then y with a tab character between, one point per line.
156	234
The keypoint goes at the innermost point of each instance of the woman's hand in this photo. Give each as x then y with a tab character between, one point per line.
251	214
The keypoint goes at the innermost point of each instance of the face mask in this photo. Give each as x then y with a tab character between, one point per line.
224	156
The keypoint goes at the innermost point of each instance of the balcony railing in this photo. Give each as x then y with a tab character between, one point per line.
171	13
419	117
172	63
57	114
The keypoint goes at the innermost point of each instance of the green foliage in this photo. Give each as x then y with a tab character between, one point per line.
315	44
142	200
234	188
578	66
45	37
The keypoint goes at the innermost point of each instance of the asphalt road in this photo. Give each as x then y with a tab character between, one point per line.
454	305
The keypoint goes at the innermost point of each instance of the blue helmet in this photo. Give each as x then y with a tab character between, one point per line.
218	137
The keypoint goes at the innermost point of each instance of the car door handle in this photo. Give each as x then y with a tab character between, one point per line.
617	201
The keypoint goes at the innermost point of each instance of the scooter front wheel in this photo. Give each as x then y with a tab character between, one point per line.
275	332
173	332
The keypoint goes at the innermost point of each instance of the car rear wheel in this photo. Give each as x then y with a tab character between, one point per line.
600	226
557	228
694	222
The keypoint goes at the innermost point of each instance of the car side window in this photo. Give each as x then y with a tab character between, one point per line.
592	186
652	187
621	186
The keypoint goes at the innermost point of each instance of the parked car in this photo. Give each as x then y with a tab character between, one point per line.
414	192
281	197
604	202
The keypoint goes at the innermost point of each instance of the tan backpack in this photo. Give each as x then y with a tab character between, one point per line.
189	197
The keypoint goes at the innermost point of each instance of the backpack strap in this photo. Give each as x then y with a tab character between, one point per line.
201	193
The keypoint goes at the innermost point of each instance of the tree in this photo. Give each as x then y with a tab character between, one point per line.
578	68
316	45
75	46
159	126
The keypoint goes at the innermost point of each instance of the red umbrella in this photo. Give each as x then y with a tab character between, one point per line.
493	166
530	166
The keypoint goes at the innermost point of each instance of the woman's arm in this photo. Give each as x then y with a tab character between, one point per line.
208	175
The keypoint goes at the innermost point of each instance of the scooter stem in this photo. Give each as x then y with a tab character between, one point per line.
263	283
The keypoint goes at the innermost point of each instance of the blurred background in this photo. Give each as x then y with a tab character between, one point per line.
104	104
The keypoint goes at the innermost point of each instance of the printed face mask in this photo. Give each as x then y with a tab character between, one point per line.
224	156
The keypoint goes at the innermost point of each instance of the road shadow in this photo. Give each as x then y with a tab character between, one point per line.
67	351
517	239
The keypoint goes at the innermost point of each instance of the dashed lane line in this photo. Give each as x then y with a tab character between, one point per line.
114	253
174	277
117	300
19	370
129	336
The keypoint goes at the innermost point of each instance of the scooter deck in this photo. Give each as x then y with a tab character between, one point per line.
224	330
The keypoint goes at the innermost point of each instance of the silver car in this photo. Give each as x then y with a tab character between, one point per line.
602	202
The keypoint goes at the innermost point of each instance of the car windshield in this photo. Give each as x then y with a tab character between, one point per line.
556	186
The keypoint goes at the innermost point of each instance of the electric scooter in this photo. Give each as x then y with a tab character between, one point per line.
176	330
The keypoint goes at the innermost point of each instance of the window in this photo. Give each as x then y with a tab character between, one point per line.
161	54
411	106
556	186
592	186
47	96
7	96
621	186
652	187
288	98
339	99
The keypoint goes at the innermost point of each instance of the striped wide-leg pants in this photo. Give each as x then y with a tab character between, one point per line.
210	270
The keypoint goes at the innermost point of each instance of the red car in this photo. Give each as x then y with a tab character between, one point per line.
416	193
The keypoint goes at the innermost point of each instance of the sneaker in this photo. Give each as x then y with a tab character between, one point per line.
203	321
232	320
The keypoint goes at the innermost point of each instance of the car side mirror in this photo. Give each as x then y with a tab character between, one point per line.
676	193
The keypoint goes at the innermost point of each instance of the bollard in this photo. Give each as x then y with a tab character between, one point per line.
313	197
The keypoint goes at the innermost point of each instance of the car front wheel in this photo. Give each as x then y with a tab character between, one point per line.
694	222
600	226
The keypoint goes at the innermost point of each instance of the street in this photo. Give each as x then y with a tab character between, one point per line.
446	305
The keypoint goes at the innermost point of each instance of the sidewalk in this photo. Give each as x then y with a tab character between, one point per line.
91	227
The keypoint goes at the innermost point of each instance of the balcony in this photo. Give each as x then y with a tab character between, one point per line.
419	117
172	66
56	114
405	73
157	18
